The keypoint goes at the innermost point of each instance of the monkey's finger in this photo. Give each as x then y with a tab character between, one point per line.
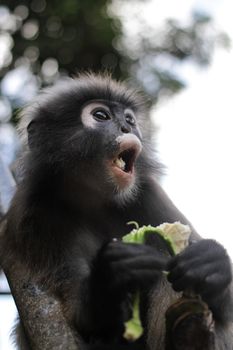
119	250
198	270
157	242
145	277
183	283
131	280
190	273
204	280
215	284
206	250
207	287
146	262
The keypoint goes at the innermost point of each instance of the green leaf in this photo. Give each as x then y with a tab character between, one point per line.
176	236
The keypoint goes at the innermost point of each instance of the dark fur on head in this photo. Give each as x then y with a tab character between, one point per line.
54	115
72	94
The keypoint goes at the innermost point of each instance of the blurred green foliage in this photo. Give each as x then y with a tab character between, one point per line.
78	34
55	38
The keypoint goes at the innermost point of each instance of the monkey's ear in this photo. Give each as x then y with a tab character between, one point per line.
31	130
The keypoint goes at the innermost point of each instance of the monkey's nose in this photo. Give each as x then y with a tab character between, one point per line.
125	129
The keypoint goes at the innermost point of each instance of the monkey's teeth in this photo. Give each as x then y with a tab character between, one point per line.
120	163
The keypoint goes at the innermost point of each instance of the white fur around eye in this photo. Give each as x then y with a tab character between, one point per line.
129	111
87	114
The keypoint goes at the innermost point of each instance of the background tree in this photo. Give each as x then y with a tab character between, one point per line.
60	37
44	41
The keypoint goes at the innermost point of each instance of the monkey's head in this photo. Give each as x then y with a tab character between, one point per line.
87	130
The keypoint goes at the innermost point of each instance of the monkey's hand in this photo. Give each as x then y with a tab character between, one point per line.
205	268
124	267
119	268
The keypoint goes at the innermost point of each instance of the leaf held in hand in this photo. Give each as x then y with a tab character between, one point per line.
176	235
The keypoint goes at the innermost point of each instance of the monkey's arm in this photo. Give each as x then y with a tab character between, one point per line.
42	323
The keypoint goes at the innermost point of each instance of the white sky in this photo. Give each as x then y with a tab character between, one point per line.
196	143
196	140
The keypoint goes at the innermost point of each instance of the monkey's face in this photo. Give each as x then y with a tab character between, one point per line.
115	126
85	134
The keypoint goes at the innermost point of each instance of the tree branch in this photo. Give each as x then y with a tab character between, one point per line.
41	314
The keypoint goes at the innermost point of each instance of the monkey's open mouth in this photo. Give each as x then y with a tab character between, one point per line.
125	160
122	165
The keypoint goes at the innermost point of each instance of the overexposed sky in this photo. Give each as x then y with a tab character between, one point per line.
196	144
196	139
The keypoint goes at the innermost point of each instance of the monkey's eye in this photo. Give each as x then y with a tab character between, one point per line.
130	119
101	115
